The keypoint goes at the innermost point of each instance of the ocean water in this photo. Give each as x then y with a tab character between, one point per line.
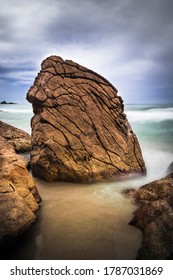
91	221
18	115
153	125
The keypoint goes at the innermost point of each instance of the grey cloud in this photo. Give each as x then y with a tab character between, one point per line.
125	40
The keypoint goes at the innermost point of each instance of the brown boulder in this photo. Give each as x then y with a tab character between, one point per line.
155	218
20	139
19	197
79	131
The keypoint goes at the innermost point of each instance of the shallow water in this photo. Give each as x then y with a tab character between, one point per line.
86	222
91	221
81	222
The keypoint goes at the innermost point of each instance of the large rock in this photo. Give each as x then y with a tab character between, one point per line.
19	198
79	131
155	218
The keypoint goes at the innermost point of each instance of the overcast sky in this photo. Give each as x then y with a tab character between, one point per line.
129	42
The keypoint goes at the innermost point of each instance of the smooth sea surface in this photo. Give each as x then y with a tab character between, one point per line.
78	221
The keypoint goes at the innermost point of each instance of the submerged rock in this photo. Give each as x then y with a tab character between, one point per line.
79	131
155	218
19	198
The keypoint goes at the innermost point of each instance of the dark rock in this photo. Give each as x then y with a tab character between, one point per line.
170	168
155	218
130	192
19	198
5	102
79	131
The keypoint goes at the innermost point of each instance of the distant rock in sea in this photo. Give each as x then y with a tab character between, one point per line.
79	130
19	198
155	218
4	102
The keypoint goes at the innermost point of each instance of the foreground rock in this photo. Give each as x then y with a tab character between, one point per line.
79	132
20	140
155	218
19	197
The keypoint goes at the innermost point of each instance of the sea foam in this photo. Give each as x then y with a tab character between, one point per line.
150	115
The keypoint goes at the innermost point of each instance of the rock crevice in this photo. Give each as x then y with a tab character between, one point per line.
79	130
155	218
19	198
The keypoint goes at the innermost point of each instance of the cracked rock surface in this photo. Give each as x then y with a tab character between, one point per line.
19	198
155	218
20	140
79	130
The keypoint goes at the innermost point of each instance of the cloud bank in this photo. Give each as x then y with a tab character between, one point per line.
129	42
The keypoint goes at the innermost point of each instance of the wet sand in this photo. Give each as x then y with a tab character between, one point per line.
81	222
85	222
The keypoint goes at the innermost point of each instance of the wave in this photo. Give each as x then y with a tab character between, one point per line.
150	114
16	108
16	111
145	107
